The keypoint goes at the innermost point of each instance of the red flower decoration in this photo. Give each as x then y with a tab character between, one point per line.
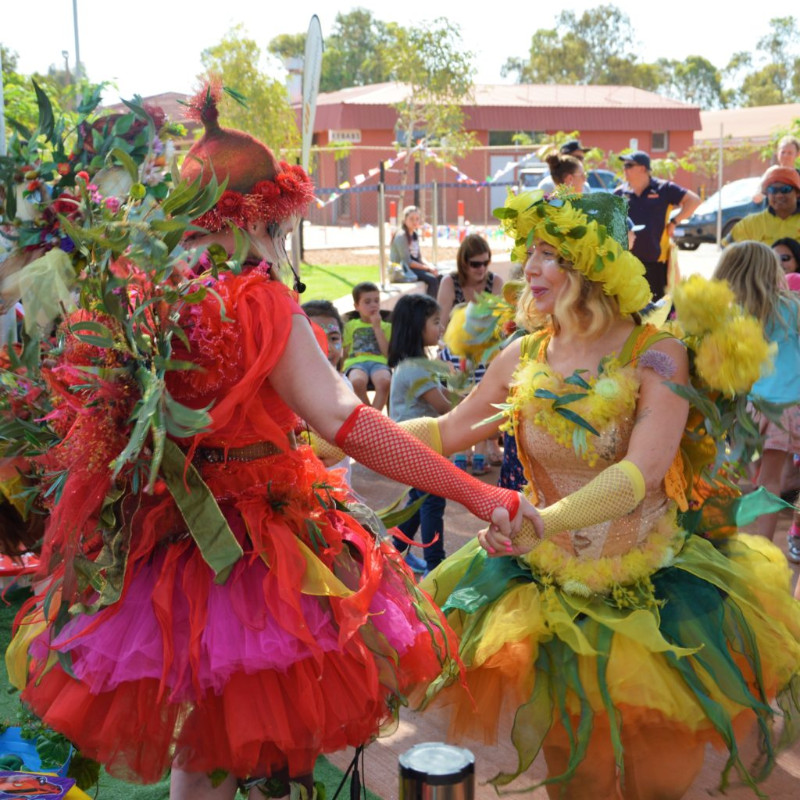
230	204
66	204
288	182
269	190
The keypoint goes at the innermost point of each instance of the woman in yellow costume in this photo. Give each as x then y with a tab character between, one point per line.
621	642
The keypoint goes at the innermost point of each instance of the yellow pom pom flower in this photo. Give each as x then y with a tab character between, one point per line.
733	357
703	305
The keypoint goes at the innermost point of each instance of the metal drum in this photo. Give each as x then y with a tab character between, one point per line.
437	771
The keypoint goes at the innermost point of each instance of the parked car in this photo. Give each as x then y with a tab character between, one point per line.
600	180
737	203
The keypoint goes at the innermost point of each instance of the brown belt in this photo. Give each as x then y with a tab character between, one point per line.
250	452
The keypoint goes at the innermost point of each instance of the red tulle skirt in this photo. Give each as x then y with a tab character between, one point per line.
309	646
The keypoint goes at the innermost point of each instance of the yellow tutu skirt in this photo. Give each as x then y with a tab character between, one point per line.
706	647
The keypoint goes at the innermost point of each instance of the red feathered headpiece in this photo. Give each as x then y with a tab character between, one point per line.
259	187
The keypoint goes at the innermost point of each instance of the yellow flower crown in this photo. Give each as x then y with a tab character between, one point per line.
589	231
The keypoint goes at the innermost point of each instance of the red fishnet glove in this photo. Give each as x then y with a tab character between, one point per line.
376	442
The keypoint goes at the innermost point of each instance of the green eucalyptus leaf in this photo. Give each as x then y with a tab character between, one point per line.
122	124
46	118
395	518
566	399
143	413
577	419
96	341
197	295
191	420
169	225
181	197
91	326
203	517
158	437
127	162
576	380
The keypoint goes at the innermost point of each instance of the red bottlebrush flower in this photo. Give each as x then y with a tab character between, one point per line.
203	106
83	175
230	204
269	190
156	114
288	182
509	327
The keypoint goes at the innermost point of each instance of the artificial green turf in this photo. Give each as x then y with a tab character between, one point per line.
333	282
110	788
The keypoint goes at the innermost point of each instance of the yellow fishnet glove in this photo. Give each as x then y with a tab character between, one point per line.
426	429
323	449
615	492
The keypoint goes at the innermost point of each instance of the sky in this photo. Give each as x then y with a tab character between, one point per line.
148	47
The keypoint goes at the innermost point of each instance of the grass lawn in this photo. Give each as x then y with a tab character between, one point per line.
333	282
109	788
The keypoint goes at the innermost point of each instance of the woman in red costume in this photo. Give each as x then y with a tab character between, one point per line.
236	621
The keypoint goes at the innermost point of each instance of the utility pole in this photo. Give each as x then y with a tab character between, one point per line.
77	41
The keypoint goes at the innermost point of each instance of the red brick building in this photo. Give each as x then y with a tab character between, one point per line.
363	121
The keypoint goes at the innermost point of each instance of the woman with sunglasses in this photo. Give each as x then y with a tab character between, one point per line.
781	219
788	252
471	278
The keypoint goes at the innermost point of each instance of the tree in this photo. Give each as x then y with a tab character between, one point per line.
431	61
358	51
593	48
771	78
695	80
288	45
267	114
705	157
8	59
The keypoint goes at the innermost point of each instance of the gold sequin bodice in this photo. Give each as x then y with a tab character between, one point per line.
556	471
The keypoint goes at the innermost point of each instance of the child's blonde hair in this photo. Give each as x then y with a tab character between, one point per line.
753	271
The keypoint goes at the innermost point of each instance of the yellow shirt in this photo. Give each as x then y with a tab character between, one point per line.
765	227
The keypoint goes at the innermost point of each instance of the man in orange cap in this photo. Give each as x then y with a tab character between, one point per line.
781	218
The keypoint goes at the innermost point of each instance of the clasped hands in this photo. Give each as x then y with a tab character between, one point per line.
507	537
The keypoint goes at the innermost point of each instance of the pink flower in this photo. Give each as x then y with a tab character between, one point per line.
112	204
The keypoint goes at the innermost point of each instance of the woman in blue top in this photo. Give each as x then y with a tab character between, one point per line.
754	273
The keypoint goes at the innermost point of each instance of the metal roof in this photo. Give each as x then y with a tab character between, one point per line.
518	107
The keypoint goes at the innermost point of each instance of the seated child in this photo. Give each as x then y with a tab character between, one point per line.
366	345
324	314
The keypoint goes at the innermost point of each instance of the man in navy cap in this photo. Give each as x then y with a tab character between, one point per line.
651	203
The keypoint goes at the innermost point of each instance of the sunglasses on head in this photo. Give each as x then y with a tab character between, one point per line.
475	264
780	188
